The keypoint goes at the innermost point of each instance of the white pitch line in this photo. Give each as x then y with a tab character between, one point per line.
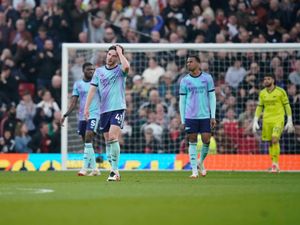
4	191
37	190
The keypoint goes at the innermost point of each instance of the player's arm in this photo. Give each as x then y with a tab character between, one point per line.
212	102
212	105
89	99
182	101
72	106
258	111
289	124
123	60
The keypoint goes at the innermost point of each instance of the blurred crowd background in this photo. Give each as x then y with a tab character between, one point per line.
32	33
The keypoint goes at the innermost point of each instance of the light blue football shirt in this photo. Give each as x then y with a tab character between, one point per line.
197	91
111	86
81	89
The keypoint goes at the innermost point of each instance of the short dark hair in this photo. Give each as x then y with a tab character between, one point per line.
195	57
269	75
86	65
114	47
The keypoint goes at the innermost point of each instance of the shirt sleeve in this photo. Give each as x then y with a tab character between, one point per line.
210	85
182	88
182	100
260	106
95	78
286	103
75	91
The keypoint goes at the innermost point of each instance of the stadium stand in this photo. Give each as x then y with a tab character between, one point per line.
31	35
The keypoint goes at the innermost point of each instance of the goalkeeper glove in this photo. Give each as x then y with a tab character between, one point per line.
289	127
255	125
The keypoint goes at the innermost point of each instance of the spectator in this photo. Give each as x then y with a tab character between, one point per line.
78	18
167	89
20	36
152	74
83	37
294	99
154	99
173	136
7	84
294	76
26	111
261	12
249	87
139	92
4	31
248	114
41	142
231	132
55	134
161	116
22	139
110	35
59	25
152	123
133	11
96	27
155	37
175	10
235	74
55	88
232	26
272	35
123	30
149	143
149	22
281	80
246	141
37	20
7	142
48	105
9	121
41	38
48	62
254	27
275	13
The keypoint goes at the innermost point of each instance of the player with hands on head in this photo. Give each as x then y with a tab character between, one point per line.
109	81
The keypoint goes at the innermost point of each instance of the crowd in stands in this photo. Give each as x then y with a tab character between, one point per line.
32	33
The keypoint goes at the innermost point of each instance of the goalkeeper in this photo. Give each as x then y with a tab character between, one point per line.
274	103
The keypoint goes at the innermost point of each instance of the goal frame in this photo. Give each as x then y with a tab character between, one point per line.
257	47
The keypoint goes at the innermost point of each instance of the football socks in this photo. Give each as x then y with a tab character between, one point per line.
204	152
115	154
193	157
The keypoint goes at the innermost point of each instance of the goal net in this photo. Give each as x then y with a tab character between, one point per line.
152	124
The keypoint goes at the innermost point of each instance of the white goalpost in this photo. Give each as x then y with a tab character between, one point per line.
233	141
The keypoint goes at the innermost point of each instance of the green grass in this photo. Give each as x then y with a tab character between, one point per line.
224	198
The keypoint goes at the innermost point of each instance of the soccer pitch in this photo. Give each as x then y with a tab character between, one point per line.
224	198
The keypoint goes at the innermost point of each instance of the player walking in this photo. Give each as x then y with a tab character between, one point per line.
86	128
197	105
274	103
110	81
